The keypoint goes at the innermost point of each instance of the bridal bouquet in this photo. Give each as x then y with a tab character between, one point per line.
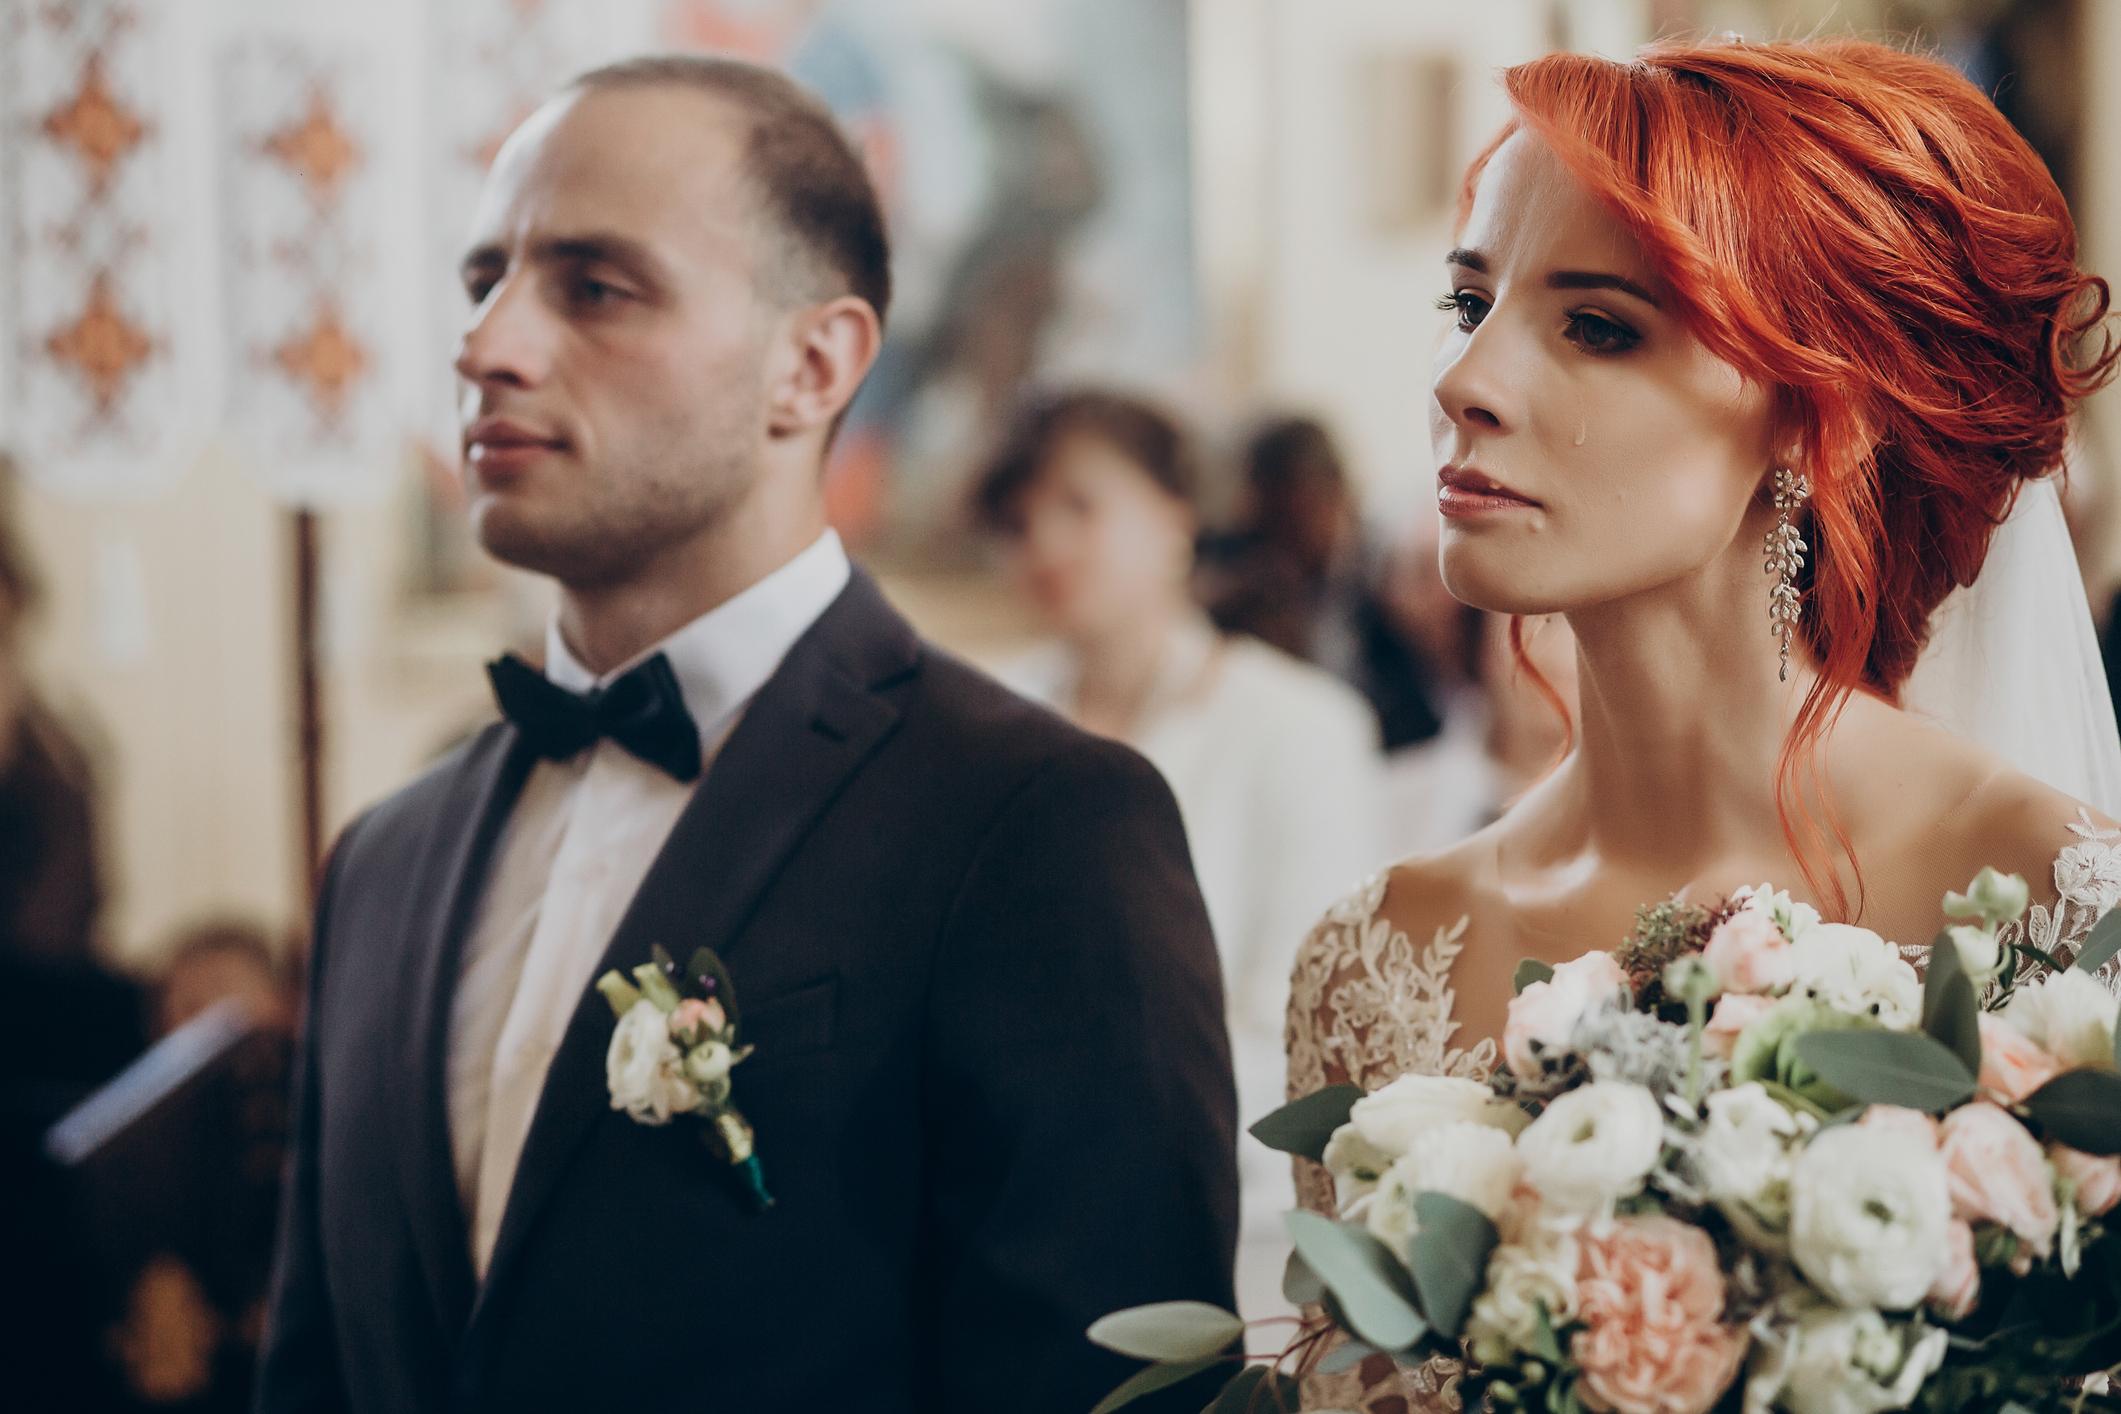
1751	1161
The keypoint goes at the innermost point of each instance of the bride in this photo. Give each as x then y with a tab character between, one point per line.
1707	304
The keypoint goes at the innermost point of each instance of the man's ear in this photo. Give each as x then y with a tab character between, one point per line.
832	346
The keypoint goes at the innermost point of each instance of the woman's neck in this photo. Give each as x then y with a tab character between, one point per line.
1683	722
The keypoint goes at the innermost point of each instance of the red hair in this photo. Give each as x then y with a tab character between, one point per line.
1858	230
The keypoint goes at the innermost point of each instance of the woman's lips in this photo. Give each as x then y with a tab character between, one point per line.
1462	492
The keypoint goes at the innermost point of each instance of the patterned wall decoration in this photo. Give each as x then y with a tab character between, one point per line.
490	64
96	319
304	278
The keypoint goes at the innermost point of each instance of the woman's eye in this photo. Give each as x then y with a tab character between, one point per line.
1594	333
1469	307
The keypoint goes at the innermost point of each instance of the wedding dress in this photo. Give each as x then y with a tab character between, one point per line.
1368	1004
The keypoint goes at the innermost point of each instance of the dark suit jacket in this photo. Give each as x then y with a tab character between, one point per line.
992	1087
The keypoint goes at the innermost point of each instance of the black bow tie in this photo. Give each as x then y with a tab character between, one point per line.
643	711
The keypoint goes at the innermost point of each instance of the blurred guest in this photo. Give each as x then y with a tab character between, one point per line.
50	886
1298	573
1275	764
224	959
1502	732
188	1333
66	1024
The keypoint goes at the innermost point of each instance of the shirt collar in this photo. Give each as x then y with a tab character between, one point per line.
726	655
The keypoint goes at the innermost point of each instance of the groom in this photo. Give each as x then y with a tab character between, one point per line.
991	1091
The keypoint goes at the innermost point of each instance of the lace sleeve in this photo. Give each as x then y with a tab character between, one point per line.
1365	1007
2087	883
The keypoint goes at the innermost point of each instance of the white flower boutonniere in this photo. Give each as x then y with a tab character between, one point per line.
672	1051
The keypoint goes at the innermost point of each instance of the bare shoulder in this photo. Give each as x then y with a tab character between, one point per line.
2017	824
1437	892
1984	813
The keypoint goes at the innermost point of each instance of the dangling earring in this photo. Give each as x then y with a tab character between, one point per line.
1785	556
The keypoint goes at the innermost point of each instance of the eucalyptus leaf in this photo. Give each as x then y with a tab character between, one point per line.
1257	1390
1888	1068
1149	1381
2081	1108
1545	1344
1303	1126
1449	1255
1370	1287
2105	941
1168	1331
1950	1011
1532	970
1300	1284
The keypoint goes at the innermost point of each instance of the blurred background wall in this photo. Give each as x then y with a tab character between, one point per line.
1236	205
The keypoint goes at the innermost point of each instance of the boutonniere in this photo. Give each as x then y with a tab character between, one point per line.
673	1050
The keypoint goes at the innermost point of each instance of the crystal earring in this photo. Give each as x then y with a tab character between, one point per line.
1785	556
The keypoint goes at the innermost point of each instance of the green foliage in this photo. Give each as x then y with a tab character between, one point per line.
2081	1108
1950	1011
1449	1257
1888	1068
1369	1287
1170	1331
1529	971
1303	1126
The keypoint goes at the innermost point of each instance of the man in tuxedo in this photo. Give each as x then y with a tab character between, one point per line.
991	1090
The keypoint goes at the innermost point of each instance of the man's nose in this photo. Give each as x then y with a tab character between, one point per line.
509	340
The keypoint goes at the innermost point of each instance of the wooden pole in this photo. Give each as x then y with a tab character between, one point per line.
309	705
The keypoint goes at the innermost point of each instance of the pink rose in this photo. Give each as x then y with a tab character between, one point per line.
1958	1286
1650	1295
2011	1066
1998	1174
1913	1126
1734	1012
1544	1015
2097	1180
693	1021
1748	953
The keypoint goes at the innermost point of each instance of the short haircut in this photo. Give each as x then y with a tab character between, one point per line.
1137	429
809	179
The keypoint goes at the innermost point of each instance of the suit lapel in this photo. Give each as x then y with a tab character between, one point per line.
445	896
802	737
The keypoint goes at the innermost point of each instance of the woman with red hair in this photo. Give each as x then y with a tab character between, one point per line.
1810	303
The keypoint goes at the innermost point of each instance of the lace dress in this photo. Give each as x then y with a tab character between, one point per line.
1367	1005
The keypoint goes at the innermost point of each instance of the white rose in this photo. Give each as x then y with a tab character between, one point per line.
1980	951
1847	1362
1594	1145
1521	1278
2070	1015
1398	1116
643	1069
1744	1154
1471	1162
1793	918
1869	1214
1356	1165
1854	970
710	1063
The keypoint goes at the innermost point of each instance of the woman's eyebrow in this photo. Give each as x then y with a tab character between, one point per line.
1564	279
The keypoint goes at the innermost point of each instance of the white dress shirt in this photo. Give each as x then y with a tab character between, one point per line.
574	852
